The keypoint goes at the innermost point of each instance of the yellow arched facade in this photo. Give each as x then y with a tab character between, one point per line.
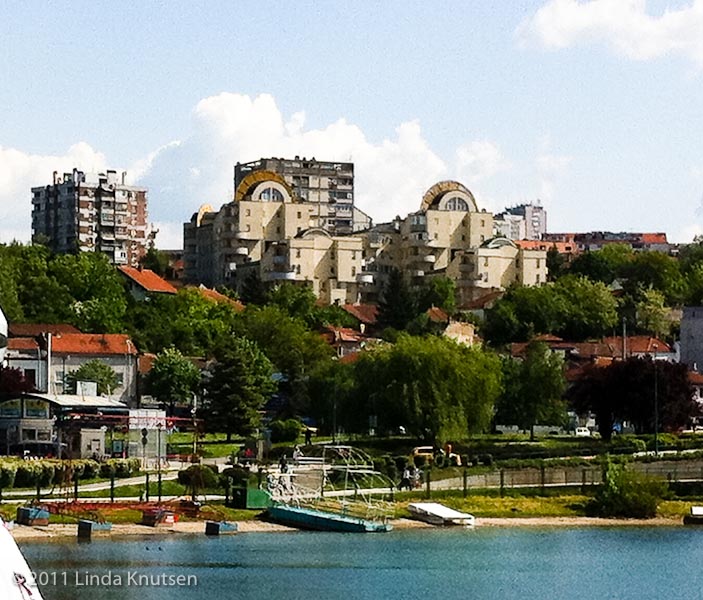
442	191
254	178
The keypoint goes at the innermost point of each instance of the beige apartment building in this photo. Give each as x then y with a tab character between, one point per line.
92	212
269	230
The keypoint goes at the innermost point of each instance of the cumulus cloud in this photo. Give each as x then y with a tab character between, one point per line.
392	173
624	25
20	171
479	160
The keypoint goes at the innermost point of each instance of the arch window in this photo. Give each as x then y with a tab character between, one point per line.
271	194
456	203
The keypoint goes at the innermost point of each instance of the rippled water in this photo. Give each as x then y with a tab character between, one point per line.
618	562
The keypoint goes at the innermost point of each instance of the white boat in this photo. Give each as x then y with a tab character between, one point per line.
438	514
16	580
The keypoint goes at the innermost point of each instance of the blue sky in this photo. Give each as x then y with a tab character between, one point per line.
593	107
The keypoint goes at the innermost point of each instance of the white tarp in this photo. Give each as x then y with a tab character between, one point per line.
16	581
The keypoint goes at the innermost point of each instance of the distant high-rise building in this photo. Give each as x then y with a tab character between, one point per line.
327	186
525	221
92	212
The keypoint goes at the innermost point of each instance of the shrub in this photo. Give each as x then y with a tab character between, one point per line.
285	431
627	494
198	477
7	475
91	469
27	474
108	469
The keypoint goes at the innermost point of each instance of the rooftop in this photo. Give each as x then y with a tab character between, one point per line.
148	280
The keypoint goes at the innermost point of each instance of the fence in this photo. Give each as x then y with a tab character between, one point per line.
583	477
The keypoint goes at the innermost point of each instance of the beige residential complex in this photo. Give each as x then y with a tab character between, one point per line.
449	236
84	212
272	232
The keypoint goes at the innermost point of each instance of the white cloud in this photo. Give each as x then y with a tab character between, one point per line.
479	160
624	25
20	171
391	174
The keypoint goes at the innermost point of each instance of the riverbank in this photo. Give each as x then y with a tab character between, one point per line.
65	531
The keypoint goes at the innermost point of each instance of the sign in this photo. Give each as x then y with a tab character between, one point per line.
147	419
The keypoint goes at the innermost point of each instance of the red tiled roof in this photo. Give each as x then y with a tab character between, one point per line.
366	313
437	315
639	344
336	335
654	238
93	343
148	280
695	378
35	329
22	343
485	301
216	296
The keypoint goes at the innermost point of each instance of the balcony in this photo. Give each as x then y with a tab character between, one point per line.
429	258
242	251
364	278
280	276
417	273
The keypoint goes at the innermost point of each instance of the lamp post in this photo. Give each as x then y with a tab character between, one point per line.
656	406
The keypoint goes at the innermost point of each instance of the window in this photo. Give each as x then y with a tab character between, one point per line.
271	194
247	212
537	278
456	203
297	253
31	376
297	269
353	271
300	215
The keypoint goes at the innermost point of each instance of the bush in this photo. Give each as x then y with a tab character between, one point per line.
8	471
198	477
627	494
27	475
91	469
285	431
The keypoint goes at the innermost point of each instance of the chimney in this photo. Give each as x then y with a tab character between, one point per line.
56	176
124	175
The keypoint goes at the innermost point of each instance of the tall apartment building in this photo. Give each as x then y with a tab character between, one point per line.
522	222
92	212
327	186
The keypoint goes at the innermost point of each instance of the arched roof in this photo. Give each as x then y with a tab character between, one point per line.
254	178
444	189
498	242
314	231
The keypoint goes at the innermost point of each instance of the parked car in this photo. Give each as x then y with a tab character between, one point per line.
583	432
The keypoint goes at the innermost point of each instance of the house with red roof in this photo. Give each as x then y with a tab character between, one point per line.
143	283
47	359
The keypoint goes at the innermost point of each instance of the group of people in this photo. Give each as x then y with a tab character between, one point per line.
411	478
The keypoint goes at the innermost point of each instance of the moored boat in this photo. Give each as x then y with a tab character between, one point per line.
438	514
318	520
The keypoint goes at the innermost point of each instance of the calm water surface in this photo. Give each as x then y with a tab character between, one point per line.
574	563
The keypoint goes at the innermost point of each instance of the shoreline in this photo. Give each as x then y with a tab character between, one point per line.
62	532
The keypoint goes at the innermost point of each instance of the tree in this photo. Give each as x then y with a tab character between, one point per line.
253	289
295	300
605	265
555	264
96	371
652	314
13	382
533	389
98	296
240	384
173	379
590	309
398	305
439	292
437	389
155	260
658	271
635	390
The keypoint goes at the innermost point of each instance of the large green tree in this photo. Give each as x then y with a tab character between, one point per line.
533	389
173	379
240	383
96	371
398	304
437	389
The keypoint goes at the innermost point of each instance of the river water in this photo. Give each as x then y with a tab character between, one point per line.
520	563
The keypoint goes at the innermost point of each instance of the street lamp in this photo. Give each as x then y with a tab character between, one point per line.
656	405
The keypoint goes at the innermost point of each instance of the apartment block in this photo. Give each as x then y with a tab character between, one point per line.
522	222
92	212
327	186
272	232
